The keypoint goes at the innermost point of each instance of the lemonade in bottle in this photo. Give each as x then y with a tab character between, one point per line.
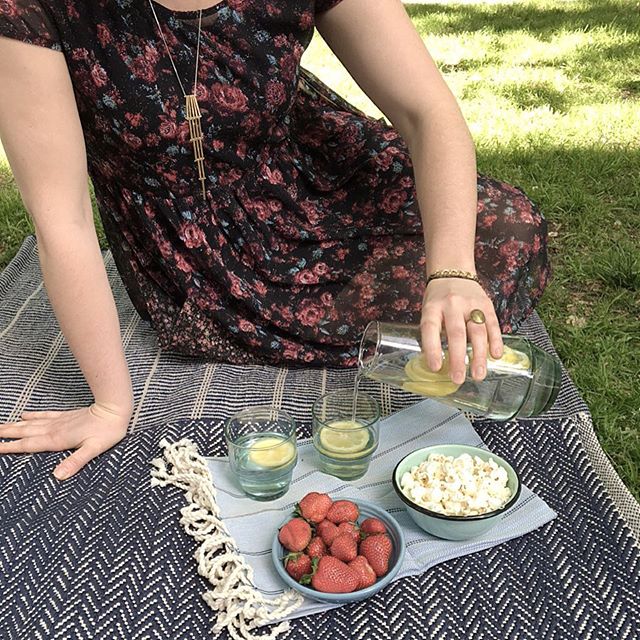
524	382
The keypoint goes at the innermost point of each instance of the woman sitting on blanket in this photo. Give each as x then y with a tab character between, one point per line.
253	214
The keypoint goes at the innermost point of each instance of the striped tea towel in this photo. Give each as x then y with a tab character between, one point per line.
253	524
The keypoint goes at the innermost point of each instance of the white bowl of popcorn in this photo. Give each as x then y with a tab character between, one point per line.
456	491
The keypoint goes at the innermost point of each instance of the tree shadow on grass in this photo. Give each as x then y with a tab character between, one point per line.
591	191
531	95
594	59
541	21
524	95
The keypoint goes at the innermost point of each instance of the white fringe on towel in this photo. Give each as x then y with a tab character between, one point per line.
240	607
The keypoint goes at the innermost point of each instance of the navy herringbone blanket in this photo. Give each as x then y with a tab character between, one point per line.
104	556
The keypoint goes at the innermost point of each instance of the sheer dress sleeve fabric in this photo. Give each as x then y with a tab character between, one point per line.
29	21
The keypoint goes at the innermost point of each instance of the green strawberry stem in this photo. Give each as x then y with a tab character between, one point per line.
292	555
306	578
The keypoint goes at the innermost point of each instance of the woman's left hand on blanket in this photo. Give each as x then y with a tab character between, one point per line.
88	430
447	305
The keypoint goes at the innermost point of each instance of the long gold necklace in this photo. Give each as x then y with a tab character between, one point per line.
192	108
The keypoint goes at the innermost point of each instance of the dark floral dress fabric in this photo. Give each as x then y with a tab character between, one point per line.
309	228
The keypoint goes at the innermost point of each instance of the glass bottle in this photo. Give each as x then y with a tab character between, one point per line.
523	383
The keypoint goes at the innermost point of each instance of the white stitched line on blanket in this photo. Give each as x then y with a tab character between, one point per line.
147	382
196	409
278	390
385	399
36	376
20	310
323	382
131	327
24	305
198	406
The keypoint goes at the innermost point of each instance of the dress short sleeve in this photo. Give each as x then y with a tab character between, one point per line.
325	5
29	21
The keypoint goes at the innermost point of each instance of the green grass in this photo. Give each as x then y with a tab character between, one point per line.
551	91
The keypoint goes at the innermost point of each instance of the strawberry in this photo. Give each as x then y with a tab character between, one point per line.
327	531
377	550
366	574
351	529
295	535
297	565
334	576
344	547
343	511
316	548
314	506
372	525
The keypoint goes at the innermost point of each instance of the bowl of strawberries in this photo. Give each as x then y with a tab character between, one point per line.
338	551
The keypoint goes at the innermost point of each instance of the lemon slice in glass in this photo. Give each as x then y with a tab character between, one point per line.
271	452
344	438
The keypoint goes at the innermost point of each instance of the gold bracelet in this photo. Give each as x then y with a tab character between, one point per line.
453	273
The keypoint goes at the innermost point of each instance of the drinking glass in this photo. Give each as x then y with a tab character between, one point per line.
262	451
345	432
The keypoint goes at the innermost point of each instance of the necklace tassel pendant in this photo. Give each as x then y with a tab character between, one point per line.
194	118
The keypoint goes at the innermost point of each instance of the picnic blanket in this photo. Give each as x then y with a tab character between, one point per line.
103	555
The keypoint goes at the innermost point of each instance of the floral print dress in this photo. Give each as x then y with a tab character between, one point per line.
310	226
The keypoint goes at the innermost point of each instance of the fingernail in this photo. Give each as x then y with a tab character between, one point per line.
61	474
480	371
458	377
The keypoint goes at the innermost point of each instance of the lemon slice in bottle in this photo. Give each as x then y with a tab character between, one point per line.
513	358
522	361
417	370
344	438
271	452
425	382
437	389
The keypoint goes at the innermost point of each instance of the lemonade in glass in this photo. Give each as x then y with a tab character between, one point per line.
345	432
262	451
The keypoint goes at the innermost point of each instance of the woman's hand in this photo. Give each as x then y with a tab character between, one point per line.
447	304
89	430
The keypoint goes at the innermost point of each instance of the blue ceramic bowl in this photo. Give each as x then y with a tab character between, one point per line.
367	510
453	527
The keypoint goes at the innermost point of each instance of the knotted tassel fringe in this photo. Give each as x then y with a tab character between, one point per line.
240	607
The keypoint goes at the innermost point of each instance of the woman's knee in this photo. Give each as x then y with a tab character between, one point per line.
506	214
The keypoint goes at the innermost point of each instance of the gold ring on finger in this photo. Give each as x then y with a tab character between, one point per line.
477	316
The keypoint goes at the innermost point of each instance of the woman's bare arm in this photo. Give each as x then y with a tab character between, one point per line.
42	136
380	47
